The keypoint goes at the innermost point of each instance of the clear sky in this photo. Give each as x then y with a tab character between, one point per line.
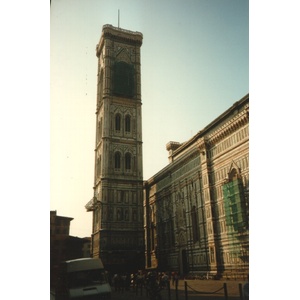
194	65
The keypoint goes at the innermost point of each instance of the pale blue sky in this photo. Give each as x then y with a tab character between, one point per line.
194	64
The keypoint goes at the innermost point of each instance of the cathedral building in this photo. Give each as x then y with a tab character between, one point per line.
117	204
190	217
196	208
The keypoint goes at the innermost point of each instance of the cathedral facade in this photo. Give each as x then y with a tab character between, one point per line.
196	208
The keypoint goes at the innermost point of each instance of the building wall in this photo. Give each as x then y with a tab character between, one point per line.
59	233
62	245
196	208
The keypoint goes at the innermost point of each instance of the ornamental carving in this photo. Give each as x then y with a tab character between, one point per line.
181	239
229	127
123	54
123	148
122	109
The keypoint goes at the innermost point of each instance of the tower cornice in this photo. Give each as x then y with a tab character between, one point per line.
120	35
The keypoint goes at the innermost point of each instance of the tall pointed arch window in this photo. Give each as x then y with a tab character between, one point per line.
195	226
100	88
98	166
127	123
118	122
100	128
118	160
234	203
127	161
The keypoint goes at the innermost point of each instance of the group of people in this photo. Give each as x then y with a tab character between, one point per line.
121	282
142	279
164	279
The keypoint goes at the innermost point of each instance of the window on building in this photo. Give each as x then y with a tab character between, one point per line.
134	215
127	123
98	166
127	161
120	214
118	122
195	227
111	214
100	88
123	79
152	233
212	254
235	203
126	216
117	160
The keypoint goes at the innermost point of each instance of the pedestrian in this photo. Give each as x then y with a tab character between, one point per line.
123	282
173	278
165	280
117	282
176	280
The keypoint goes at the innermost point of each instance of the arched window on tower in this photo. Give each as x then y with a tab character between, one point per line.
118	160
100	89
127	123
99	133
118	122
123	79
98	166
127	161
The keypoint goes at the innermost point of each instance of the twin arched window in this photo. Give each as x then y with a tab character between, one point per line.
118	123
127	161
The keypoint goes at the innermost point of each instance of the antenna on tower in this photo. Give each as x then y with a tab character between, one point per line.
118	18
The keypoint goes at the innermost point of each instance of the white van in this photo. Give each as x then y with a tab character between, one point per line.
83	278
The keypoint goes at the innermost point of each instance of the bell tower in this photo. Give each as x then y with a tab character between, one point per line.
117	204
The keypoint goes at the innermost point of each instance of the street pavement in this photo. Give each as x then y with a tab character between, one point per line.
196	290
